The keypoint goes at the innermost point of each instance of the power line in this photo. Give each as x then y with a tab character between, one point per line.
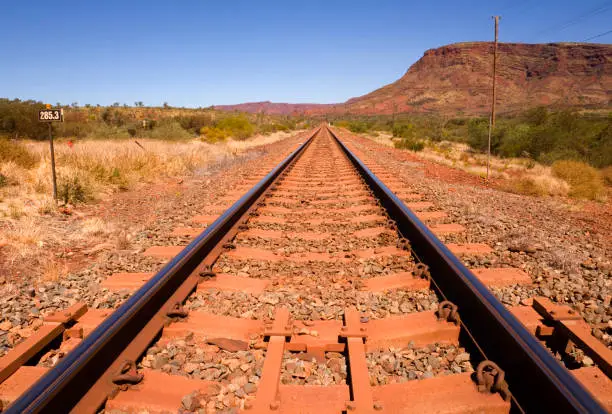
575	20
599	35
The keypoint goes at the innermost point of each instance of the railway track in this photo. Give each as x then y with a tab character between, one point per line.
319	290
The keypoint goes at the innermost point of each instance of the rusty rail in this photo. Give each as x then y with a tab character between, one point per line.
537	380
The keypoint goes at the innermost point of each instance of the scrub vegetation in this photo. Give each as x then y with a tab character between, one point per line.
536	152
18	119
100	150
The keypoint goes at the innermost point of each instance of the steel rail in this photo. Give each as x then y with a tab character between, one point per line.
535	378
61	389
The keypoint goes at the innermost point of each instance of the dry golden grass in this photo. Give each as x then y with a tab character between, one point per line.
584	180
519	175
550	185
53	271
24	237
524	185
606	173
382	138
236	147
91	170
103	166
15	152
95	226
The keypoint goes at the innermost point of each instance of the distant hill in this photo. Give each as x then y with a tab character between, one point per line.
272	108
456	79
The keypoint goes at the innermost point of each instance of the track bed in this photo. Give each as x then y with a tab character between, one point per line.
322	289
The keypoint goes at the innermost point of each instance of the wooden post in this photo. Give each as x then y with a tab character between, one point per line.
492	117
52	163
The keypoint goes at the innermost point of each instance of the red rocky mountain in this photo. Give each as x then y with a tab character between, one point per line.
456	79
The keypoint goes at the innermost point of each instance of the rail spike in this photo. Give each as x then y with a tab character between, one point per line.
207	273
491	379
403	244
447	311
128	374
421	270
177	311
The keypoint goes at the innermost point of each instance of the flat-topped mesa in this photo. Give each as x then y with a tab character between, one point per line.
457	78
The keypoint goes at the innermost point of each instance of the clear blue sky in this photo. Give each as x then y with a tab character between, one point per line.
200	53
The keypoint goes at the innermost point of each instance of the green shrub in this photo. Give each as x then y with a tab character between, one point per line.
478	134
104	131
516	141
273	127
546	136
169	130
238	126
410	144
214	134
3	180
404	131
17	153
281	127
76	129
115	177
108	175
584	180
559	154
342	124
359	127
72	190
20	119
196	122
601	147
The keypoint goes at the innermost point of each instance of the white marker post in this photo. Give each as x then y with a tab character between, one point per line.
51	115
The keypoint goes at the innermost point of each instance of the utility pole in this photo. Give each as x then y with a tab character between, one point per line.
492	117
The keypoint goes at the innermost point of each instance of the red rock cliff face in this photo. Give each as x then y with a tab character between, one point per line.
457	78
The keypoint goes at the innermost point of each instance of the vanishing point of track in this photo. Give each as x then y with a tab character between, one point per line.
320	227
